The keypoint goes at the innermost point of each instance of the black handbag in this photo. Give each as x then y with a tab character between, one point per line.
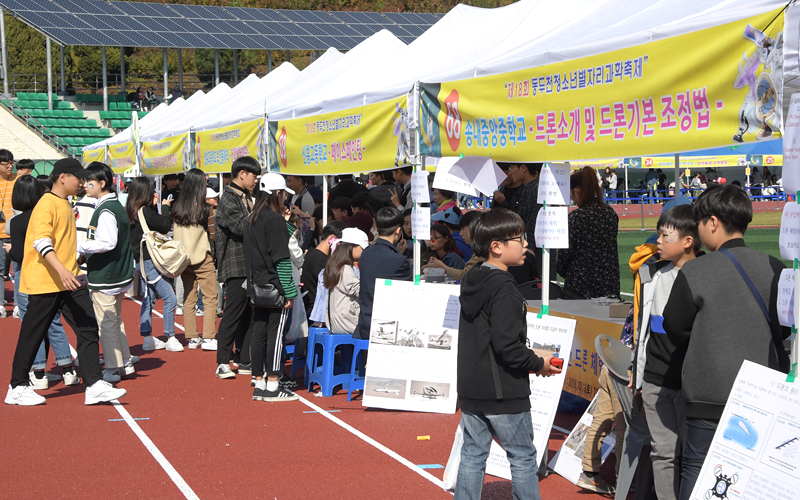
266	296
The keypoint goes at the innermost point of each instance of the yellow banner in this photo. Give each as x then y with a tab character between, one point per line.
217	149
356	140
121	157
91	155
708	88
167	156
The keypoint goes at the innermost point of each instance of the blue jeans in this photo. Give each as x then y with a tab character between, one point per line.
699	434
515	434
160	288
55	334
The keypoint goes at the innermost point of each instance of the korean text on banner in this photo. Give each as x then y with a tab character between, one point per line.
217	149
554	184
371	137
755	447
791	147
647	99
91	155
413	347
167	156
121	157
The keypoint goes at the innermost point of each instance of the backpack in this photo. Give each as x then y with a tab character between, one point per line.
168	255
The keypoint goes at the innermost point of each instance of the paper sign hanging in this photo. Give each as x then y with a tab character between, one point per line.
551	227
421	223
419	187
786	298
791	147
445	180
554	184
789	240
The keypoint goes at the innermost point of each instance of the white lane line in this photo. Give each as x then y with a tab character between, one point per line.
374	443
160	458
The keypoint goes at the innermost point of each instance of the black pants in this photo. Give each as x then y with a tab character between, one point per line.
236	324
266	349
77	310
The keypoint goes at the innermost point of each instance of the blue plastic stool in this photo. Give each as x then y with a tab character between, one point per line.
323	369
297	364
312	332
360	348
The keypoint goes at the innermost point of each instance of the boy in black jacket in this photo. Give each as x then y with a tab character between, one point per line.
493	360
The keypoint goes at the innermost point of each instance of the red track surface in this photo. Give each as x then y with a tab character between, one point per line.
223	444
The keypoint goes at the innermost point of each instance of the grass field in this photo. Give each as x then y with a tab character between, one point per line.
763	240
770	218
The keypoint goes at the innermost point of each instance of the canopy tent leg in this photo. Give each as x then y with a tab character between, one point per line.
235	68
677	192
49	74
216	67
166	76
122	69
63	75
105	80
288	56
269	63
625	185
180	70
4	51
324	201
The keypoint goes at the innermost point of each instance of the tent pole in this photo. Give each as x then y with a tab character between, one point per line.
122	69
166	76
105	80
625	186
216	67
63	77
324	201
180	70
235	68
288	56
269	61
49	74
4	51
677	192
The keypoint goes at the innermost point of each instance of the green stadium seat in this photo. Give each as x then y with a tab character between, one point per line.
58	113
19	112
72	122
90	124
39	96
126	106
36	113
38	104
125	123
74	132
48	113
93	132
112	106
105	115
141	114
76	113
115	123
23	103
104	132
47	122
22	95
64	105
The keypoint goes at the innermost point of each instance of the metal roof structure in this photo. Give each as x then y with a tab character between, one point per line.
179	26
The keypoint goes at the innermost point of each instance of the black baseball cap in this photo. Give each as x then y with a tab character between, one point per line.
70	166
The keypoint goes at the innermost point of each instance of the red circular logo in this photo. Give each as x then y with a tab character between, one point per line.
282	146
452	124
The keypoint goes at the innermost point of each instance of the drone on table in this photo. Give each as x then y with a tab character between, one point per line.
430	392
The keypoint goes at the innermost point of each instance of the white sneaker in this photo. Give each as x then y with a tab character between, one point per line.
102	392
195	343
3	312
23	395
16	312
71	378
209	344
110	376
224	371
38	384
178	311
127	368
198	313
174	345
134	359
151	343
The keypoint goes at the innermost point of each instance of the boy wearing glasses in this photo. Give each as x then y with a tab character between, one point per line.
494	362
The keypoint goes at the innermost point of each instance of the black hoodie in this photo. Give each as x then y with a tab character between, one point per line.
493	360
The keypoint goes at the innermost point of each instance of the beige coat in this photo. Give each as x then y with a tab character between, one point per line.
195	241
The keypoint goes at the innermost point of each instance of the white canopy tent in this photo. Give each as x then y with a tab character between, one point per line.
181	123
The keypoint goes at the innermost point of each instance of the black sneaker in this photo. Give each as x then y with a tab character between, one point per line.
287	383
258	394
280	395
245	368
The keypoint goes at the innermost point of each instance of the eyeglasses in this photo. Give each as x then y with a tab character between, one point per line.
8	163
522	239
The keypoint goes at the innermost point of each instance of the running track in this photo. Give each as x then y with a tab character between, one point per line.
218	443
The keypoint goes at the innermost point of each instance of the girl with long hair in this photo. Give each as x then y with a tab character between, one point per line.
190	216
590	266
444	246
343	283
142	196
269	267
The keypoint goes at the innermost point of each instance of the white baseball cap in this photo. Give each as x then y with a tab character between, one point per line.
355	236
272	181
210	193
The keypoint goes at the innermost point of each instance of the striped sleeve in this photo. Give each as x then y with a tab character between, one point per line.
284	267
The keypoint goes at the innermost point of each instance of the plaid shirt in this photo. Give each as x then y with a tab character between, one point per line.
529	207
234	207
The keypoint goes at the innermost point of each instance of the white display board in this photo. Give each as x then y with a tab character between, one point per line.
545	336
791	147
421	222
413	347
554	184
756	448
568	462
552	227
789	239
786	297
419	187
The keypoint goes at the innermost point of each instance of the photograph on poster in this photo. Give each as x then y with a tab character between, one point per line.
741	428
443	341
727	479
429	391
783	450
411	337
379	387
384	331
544	348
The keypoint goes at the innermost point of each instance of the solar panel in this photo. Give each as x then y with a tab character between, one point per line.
396	30
71	6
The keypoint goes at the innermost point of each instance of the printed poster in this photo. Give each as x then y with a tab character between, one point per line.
756	448
167	156
789	239
791	147
122	157
90	155
413	347
552	227
786	286
362	139
680	93
217	149
554	184
545	336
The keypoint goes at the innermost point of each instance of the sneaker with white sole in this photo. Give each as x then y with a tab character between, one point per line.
111	376
38	384
127	368
195	343
253	381
174	345
258	394
3	312
134	359
23	395
280	395
198	313
151	343
16	314
224	371
287	383
178	311
209	344
71	378
245	368
593	482
103	392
